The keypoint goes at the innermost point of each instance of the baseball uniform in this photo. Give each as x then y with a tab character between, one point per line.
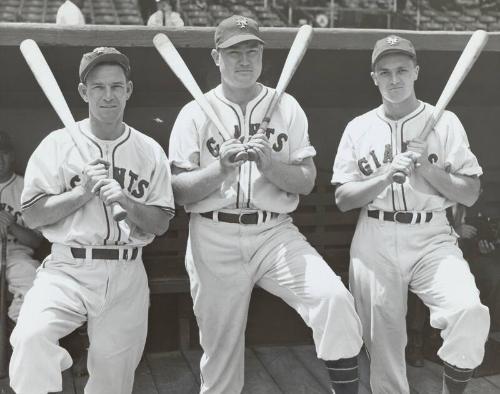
95	271
241	235
403	240
21	266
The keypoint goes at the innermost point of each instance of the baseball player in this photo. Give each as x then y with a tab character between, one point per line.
95	271
403	239
240	231
21	266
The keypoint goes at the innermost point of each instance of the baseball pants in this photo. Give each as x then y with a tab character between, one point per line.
111	295
225	261
387	258
21	271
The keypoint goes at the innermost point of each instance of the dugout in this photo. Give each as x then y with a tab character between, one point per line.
332	84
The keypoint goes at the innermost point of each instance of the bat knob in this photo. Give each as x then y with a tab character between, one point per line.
119	213
240	156
399	177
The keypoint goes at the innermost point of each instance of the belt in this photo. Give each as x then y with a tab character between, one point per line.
242	218
402	216
105	254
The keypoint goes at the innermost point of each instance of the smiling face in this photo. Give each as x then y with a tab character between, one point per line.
395	75
107	90
240	65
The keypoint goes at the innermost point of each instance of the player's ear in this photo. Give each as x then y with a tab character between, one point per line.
215	56
130	88
417	69
372	74
82	89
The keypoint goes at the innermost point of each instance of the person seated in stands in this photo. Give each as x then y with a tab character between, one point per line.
165	16
70	13
21	241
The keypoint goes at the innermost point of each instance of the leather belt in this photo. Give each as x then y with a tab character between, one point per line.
106	254
402	216
242	218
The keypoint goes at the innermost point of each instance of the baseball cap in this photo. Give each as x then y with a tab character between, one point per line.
392	44
236	29
5	142
102	55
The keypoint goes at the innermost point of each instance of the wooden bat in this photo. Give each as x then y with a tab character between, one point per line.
4	335
292	62
45	78
174	60
467	59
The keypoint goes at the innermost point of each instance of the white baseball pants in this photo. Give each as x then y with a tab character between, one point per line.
226	260
111	295
21	272
387	258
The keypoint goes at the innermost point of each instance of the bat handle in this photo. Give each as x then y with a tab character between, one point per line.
119	213
399	177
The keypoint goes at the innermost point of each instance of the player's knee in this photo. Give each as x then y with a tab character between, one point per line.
478	315
29	337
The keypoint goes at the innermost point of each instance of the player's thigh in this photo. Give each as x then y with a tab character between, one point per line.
444	281
295	272
52	307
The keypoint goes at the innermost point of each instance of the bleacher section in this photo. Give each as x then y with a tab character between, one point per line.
413	14
97	12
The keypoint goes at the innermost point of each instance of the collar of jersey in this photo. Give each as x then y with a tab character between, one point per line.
220	94
84	126
381	113
8	180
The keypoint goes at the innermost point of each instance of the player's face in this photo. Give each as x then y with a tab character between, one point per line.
107	91
241	64
395	75
6	161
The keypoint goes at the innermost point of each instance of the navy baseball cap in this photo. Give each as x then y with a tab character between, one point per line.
5	142
102	55
392	44
236	29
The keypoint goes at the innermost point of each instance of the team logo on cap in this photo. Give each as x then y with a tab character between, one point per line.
99	50
242	22
392	40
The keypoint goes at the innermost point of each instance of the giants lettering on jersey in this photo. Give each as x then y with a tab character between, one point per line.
135	186
277	143
366	164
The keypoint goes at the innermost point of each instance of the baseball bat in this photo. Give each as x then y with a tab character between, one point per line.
45	78
4	335
464	64
174	60
292	62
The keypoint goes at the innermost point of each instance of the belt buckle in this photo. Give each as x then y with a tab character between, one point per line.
241	217
396	217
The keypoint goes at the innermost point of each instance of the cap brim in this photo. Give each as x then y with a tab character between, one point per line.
117	58
389	51
239	38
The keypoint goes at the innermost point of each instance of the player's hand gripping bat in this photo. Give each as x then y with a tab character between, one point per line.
292	62
45	78
462	68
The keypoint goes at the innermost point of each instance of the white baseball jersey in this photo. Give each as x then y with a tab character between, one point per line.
159	18
139	164
195	142
371	140
10	201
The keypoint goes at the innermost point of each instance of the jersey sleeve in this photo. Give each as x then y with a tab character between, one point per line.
43	175
459	158
160	190
300	146
184	149
345	167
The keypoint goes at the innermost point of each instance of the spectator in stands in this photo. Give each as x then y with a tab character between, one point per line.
70	13
165	16
21	241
